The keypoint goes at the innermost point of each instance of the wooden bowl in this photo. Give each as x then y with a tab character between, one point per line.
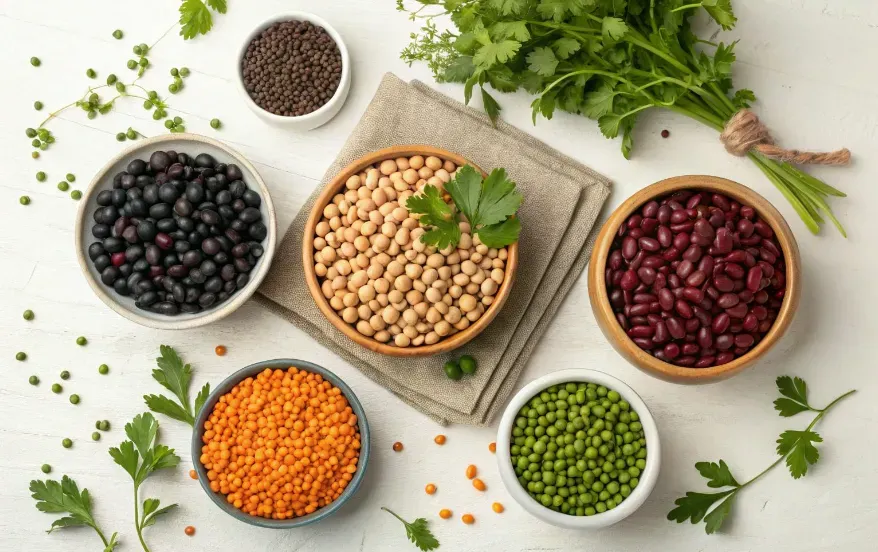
337	185
600	303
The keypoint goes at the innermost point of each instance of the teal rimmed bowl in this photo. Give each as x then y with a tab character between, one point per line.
226	386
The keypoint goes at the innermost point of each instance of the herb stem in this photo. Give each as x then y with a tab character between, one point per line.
394	515
686	7
171	28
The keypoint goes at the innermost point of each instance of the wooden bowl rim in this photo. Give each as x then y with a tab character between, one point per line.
333	187
766	211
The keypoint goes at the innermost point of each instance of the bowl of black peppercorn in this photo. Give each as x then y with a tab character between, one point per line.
176	231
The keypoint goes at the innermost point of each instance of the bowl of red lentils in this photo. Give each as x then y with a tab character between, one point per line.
281	444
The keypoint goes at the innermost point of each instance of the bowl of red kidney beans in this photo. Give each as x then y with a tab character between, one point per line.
694	278
176	232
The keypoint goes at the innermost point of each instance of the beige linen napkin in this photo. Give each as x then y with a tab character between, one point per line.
562	201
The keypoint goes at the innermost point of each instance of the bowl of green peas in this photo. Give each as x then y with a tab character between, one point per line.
578	449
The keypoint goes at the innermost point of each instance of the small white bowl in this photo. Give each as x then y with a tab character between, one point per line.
191	144
329	109
648	476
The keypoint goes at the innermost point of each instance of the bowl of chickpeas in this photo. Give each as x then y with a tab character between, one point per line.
375	279
281	444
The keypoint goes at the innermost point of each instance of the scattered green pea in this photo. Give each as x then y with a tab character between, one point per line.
178	120
174	72
143	62
184	72
74	399
169	124
452	370
28	315
104	425
120	136
56	388
92	114
81	340
44	146
36	142
70	177
103	369
63	186
65	375
35	154
117	34
38	105
173	88
95	436
76	195
120	87
137	51
90	73
111	79
33	380
66	443
46	468
467	364
35	61
41	176
131	134
21	356
153	95
31	132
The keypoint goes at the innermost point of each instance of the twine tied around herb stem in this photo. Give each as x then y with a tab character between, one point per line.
745	132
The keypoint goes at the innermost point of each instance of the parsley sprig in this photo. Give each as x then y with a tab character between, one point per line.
489	205
608	60
175	377
196	18
796	447
141	456
65	498
417	532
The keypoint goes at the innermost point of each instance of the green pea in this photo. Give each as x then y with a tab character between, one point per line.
74	399
120	87
173	88
120	136
81	340
76	195
36	143
21	356
70	177
38	105
105	425
66	443
41	176
215	123
117	34
63	186
33	380
131	134
184	72
95	436
56	388
103	369
467	363
46	468
35	61
28	315
65	375
35	154
90	73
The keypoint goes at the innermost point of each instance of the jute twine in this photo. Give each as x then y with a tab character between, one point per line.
745	132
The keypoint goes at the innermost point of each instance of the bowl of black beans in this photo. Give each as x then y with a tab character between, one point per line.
294	71
176	232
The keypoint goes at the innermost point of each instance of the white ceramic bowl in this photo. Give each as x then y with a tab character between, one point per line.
191	144
327	111
648	476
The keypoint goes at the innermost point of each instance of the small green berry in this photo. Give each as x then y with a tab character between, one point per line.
63	186
50	140
174	72
35	154
137	51
46	468
38	105
35	61
92	114
215	123
76	195
131	134
95	436
74	399
143	62
36	142
65	375
33	380
157	114
70	177
173	88
184	72
44	146
117	34
43	134
56	388
147	104
105	425
90	73
152	95
132	64
111	79
178	120
169	124
81	340
120	87
24	200
120	136
31	132
103	369
28	315
66	443
41	176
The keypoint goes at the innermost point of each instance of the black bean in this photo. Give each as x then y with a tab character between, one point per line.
119	198
213	284
227	213
159	161
151	194
222	296
100	231
222	182
225	243
109	275
117	179
252	260
113	245
250	215
138	208
238	205
223	197
241	250
191	295
130	234
197	276
195	192
208	267
237	188
121	287
242	280
207	299
210	246
133	279
181	245
207	206
128	181
241	265
125	270
166	308
168	283
239	226
183	207
175	171
227	272
189	308
206	173
221	258
177	271
166	225
168	193
194	237
95	250
179	293
186	224
141	265
258	231
102	262
230	287
204	160
105	197
191	258
213	185
210	217
233	172
256	249
220	168
187	282
160	211
232	236
202	229
143	287
120	225
143	181
133	253
170	260
136	167
147	230
252	199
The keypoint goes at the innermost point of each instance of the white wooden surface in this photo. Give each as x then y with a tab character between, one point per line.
811	63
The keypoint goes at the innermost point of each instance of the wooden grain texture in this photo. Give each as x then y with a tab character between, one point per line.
803	58
606	318
337	185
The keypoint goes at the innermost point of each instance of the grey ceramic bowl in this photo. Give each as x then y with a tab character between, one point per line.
226	386
191	144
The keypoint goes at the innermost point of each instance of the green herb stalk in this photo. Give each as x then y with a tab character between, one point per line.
608	60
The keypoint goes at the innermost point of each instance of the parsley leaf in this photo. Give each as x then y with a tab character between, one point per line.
542	61
436	214
721	12
498	201
613	28
507	7
465	190
714	520
492	108
565	47
459	70
558	9
795	396
175	377
195	19
719	475
65	498
487	204
495	52
218	5
502	234
599	102
694	506
516	30
417	532
800	451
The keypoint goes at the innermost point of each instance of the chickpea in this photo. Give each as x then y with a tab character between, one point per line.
436	260
395	268
475	257
478	277
429	276
453	258
454	315
434	163
339	282
498	275
336	303
473	315
449	166
433	315
361	243
390	315
431	338
444	271
416	162
455	291
462	324
498	263
364	312
403	283
388	166
402	236
322	228
402	163
460	279
421	309
365	328
320	269
366	292
394	330
377	322
331	273
410	176
489	287
467	303
382	285
414	297
410	317
414	271
472	288
382	336
441	307
436	181
418	341
425	173
469	267
442	175
353	182
402	340
411	332
433	295
331	211
442	328
319	243
350	315
400	213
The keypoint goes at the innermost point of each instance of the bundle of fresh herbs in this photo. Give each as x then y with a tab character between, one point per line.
608	60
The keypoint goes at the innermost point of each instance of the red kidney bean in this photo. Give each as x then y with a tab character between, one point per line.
767	256
706	303
628	296
666	299
685	268
629	247
642	331
716	219
703	228
650	210
643	343
653	319
644	298
661	281
693	201
706	265
671	350
674	281
702	315
679	216
683	227
617	278
698	239
770	247
734	270
649	244
737	256
745	296
691	326
634	263
629	280
740	350
638	310
623	322
735	327
685	361
724	358
727	300
751	322
634	221
638	321
635	233
763	229
683	309
745	228
692	294
723	241
747	212
661	333
720	323
655	308
690	349
760	312
739	285
653	262
705	362
646	275
675	327
720	201
681	241
615	260
754	279
692	253
744	340
649	226
705	337
671	254
696	278
738	311
712	292
664	214
764	326
767	270
724	342
616	299
664	235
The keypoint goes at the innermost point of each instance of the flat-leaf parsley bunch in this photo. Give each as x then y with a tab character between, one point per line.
608	60
489	206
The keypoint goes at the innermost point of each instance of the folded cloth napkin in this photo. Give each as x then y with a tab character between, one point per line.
563	198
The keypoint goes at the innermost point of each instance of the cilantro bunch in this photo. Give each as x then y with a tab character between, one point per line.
65	498
608	60
795	447
489	206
